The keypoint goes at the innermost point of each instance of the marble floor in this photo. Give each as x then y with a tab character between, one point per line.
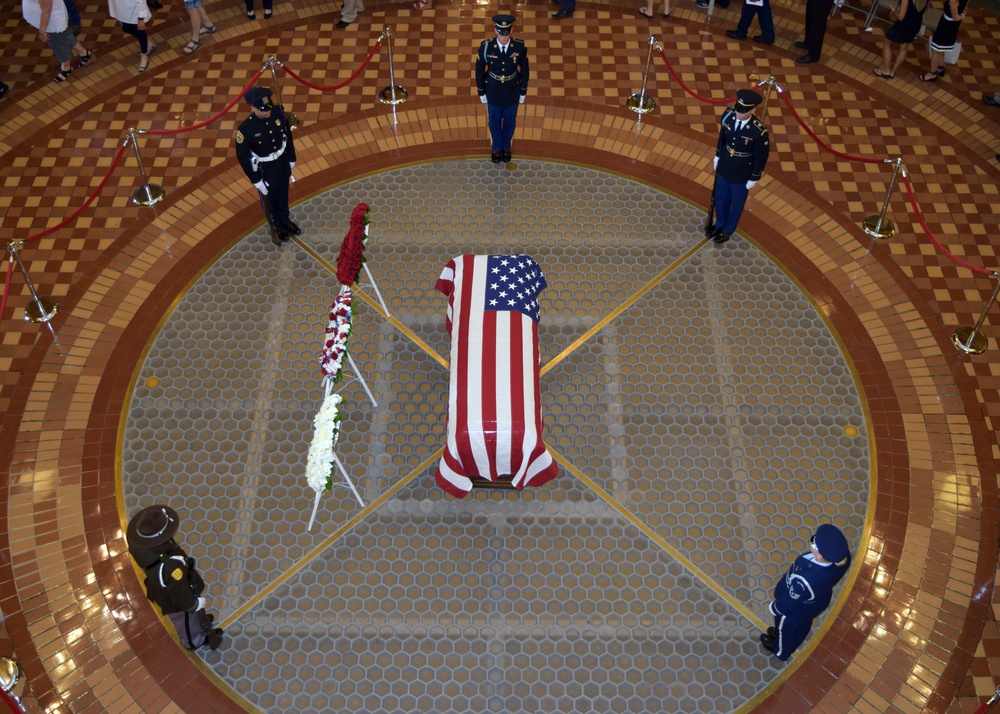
706	411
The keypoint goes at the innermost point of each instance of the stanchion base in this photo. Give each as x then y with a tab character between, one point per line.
148	195
293	121
978	345
41	311
393	95
640	103
872	228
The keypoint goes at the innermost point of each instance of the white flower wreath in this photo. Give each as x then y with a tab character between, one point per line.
319	466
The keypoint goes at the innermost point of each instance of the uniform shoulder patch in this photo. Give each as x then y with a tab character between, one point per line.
177	574
239	136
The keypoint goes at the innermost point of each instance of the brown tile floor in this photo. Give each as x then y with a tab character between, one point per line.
919	628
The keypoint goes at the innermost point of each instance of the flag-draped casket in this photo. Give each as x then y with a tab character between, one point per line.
494	405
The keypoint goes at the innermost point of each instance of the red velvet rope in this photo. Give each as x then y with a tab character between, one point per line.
199	125
90	199
687	89
6	284
359	70
10	702
941	248
810	132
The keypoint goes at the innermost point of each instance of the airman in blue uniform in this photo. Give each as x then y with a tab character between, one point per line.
502	83
806	590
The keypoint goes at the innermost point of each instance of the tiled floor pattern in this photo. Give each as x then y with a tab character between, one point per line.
680	407
910	635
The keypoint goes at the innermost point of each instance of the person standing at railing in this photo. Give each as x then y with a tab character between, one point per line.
266	151
740	157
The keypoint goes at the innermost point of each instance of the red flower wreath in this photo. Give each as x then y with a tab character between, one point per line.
352	249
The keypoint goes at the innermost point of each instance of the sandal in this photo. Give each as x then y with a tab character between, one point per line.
86	58
63	75
152	48
143	67
642	11
929	77
668	14
210	30
190	47
884	75
939	71
421	5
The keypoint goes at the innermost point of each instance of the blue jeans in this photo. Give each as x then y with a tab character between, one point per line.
764	17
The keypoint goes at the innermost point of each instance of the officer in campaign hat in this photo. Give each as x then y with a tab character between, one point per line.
502	83
266	151
806	590
172	581
740	157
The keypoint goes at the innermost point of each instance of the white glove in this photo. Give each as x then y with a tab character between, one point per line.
751	184
201	603
291	177
521	99
261	186
482	98
291	164
715	162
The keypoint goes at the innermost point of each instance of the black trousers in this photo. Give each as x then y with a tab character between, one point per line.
817	13
276	175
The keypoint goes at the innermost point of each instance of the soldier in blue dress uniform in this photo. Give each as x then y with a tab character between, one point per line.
502	83
740	157
266	151
805	591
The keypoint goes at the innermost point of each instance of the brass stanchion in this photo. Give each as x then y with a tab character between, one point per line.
9	673
641	103
149	193
272	62
41	309
969	339
393	94
879	226
767	85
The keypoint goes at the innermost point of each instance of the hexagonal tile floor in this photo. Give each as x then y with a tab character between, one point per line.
691	392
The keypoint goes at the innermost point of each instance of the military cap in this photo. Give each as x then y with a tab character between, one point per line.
747	99
831	543
259	98
503	23
152	526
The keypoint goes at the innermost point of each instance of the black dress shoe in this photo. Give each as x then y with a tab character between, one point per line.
720	237
505	157
761	40
801	45
735	35
772	632
293	229
279	238
807	59
711	231
767	642
283	236
342	24
495	157
561	14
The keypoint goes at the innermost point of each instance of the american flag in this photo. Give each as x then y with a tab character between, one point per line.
494	408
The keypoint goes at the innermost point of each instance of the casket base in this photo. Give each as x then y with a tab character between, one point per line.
501	482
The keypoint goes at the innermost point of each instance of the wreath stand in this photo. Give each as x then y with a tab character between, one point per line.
327	390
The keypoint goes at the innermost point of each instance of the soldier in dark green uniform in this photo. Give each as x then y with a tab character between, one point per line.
502	83
266	151
172	581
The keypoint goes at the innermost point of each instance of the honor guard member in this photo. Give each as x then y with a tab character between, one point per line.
740	157
266	151
172	581
806	590
502	83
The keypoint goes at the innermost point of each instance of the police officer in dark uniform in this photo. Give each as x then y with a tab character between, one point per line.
266	151
806	590
740	157
502	83
172	581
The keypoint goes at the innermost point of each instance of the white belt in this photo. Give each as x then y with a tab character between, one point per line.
256	160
